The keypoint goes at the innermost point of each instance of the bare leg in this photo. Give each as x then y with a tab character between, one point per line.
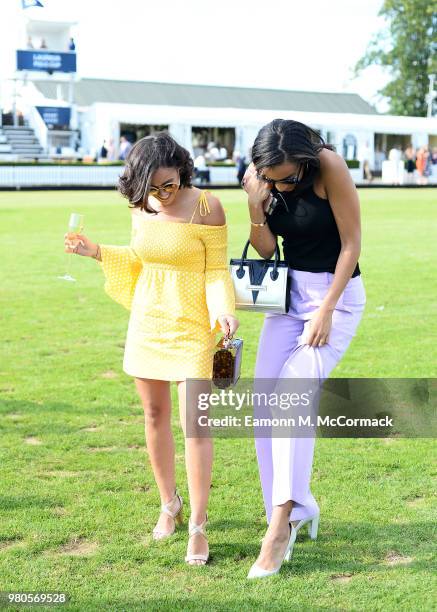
156	401
198	461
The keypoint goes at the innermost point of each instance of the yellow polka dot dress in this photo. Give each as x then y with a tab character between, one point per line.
175	280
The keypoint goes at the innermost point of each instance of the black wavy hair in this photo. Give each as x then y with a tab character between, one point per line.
285	140
146	156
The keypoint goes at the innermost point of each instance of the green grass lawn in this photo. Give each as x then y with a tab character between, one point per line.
77	495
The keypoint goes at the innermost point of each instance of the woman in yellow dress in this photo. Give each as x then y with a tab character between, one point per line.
174	279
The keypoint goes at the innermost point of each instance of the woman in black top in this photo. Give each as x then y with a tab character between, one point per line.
301	190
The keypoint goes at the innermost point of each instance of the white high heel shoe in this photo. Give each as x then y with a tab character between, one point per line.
313	525
258	572
176	516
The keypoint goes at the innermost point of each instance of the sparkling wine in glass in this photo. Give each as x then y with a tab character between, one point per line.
75	226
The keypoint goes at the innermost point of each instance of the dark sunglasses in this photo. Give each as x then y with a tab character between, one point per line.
289	180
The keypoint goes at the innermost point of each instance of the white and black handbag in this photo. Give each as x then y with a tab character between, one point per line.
262	285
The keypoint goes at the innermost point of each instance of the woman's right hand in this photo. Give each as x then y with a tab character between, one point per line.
79	244
259	192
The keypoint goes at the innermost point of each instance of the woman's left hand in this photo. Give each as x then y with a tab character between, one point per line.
229	324
320	326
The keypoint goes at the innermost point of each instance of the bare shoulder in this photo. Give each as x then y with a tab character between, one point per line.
217	214
331	163
336	178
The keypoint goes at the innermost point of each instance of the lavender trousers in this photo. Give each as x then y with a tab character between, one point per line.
285	464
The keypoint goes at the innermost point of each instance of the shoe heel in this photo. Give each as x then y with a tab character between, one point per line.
313	527
291	542
179	518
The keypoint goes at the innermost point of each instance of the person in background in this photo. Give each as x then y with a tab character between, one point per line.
20	117
112	155
29	44
364	157
103	151
223	153
125	147
202	171
196	144
422	164
241	168
380	157
433	164
71	45
428	164
77	140
410	163
395	156
213	152
43	44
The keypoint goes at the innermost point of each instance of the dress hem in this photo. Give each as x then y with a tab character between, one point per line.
166	379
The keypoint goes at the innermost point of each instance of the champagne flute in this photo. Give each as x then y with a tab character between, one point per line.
75	226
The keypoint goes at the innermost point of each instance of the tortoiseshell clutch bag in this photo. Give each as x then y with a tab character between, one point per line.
228	353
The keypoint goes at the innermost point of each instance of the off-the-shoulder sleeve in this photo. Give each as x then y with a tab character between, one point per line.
220	296
121	266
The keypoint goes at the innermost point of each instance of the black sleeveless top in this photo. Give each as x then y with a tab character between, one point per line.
311	241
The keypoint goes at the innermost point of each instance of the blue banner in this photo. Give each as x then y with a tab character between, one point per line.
28	3
55	117
47	61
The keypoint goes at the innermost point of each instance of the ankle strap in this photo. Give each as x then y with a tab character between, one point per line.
193	528
166	507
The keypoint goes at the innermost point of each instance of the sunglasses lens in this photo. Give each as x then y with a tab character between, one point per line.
290	181
166	190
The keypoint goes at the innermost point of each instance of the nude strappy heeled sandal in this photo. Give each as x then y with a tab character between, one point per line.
192	530
176	516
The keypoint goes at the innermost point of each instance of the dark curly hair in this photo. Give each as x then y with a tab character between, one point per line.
147	155
285	140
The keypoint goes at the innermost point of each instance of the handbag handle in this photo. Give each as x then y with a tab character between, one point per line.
274	273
